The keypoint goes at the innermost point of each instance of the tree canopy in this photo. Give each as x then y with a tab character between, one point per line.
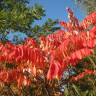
90	5
18	16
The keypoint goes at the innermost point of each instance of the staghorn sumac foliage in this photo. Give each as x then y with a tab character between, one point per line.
46	60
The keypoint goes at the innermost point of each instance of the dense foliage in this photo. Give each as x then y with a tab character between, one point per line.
37	67
19	16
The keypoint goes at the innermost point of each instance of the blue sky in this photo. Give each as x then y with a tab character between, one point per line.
55	9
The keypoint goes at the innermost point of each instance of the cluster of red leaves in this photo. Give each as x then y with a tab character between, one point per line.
27	57
20	54
57	51
9	76
78	45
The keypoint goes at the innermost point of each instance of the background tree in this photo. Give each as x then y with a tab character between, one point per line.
17	15
90	5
